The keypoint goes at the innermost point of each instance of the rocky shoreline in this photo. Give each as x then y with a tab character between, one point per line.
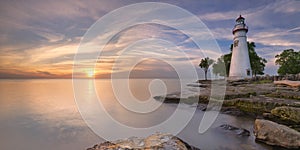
275	105
276	108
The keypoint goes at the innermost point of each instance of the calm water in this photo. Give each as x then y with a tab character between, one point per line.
42	114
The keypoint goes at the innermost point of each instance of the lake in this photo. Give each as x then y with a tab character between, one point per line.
42	114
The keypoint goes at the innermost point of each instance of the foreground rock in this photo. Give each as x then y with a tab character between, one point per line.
156	141
236	130
275	134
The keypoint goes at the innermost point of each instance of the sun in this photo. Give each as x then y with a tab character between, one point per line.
90	73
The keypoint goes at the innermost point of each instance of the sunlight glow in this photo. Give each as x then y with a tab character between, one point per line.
90	73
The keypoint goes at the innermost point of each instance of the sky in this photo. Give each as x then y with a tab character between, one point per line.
39	39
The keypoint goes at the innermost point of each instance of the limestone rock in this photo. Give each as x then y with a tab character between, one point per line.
288	83
156	141
288	114
276	134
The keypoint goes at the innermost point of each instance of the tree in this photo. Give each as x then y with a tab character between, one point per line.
257	63
221	67
204	64
289	61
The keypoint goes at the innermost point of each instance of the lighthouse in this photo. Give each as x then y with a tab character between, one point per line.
240	62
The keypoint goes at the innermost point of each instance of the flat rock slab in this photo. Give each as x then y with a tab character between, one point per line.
288	83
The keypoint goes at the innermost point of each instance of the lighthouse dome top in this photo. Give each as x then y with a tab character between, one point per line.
239	18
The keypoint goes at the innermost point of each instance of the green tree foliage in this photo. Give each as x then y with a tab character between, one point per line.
257	63
204	64
221	67
289	61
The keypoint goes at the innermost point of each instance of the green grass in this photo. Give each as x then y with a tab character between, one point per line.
262	82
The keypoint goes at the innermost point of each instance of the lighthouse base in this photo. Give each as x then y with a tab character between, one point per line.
236	78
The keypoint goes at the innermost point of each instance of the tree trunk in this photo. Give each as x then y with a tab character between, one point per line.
205	74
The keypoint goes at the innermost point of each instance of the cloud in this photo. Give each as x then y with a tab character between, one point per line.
17	73
37	38
45	73
219	16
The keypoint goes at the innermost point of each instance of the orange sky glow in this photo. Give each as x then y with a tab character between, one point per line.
41	39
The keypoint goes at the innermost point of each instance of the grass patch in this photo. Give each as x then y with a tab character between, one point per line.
262	82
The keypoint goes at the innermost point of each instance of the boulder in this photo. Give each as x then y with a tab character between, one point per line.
276	134
154	142
290	115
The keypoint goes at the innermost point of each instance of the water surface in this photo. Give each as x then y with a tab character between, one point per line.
42	114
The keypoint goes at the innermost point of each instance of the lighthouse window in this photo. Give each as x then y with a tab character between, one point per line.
236	43
248	72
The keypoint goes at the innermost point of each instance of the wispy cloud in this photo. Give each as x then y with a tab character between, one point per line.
41	38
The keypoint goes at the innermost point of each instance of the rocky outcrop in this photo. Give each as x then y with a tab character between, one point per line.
291	115
235	130
276	134
156	141
243	99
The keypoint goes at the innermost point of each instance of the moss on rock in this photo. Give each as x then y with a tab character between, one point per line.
290	114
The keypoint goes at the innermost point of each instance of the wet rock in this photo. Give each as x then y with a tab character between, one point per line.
290	115
170	98
276	134
156	141
198	85
236	130
202	107
233	111
204	81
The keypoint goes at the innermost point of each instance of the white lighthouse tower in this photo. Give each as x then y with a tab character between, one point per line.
240	62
